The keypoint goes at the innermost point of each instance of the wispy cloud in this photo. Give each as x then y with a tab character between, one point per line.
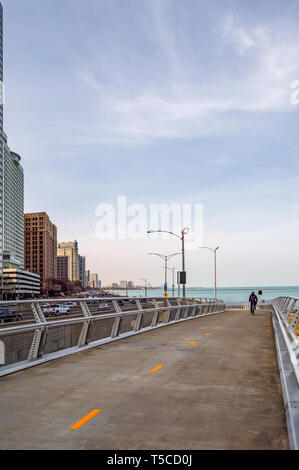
187	110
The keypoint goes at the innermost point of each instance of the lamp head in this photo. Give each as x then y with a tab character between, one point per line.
185	230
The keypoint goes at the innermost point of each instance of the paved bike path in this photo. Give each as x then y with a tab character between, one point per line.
207	383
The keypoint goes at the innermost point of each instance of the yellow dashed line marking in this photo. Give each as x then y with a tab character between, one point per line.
192	344
156	368
84	420
207	334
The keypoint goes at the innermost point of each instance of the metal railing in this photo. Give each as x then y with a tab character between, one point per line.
33	342
286	328
237	304
287	312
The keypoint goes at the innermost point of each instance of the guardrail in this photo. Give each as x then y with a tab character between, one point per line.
237	304
30	344
286	328
287	312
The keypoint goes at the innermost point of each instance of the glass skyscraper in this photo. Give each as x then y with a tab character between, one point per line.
13	209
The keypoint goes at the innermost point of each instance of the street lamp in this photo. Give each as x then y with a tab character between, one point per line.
165	258
214	251
172	269
184	232
145	286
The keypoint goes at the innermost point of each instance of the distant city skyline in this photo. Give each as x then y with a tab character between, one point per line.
163	102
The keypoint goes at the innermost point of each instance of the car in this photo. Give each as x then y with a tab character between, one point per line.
104	307
56	310
91	301
9	315
69	304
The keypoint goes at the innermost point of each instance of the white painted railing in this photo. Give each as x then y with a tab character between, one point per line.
28	343
286	328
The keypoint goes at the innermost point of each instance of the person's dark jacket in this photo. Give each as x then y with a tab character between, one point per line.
253	299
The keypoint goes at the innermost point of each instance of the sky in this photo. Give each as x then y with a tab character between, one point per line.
161	102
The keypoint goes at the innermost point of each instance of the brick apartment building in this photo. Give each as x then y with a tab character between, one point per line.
41	248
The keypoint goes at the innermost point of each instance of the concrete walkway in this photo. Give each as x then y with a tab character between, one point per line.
219	388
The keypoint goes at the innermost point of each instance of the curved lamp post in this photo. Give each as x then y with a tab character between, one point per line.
165	258
172	270
214	251
145	286
182	238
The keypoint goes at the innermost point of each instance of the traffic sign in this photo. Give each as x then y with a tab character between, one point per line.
181	277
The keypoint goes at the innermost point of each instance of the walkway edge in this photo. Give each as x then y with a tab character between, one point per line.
288	382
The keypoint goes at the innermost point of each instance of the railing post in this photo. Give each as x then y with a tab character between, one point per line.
34	349
286	310
178	312
139	316
116	306
285	305
185	308
86	327
156	314
194	308
115	328
40	334
116	325
168	304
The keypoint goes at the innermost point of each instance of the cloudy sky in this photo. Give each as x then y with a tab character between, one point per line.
161	101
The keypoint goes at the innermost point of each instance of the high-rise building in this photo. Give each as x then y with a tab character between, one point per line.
94	280
87	277
13	209
41	248
82	266
70	249
63	268
1	129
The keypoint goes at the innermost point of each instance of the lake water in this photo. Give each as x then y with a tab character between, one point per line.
223	293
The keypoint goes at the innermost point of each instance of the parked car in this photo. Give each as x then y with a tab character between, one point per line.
104	307
9	315
56	310
69	304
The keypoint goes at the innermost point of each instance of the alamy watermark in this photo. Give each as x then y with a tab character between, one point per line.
123	221
295	95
